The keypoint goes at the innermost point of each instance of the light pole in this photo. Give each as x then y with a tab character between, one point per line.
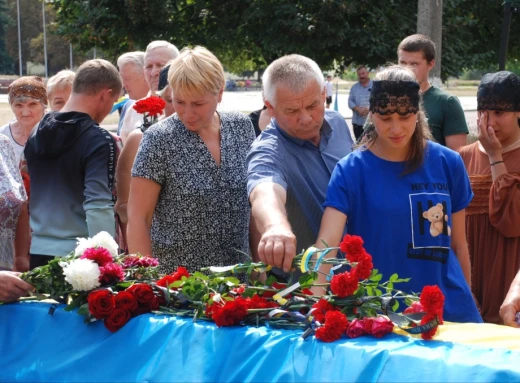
45	41
19	37
70	57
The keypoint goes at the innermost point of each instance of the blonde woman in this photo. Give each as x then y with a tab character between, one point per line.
188	200
59	88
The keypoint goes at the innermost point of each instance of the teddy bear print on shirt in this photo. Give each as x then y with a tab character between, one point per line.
437	218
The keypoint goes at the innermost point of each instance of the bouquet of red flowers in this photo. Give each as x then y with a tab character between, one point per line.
102	284
114	288
150	107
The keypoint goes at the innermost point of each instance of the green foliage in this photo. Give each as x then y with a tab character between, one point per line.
6	62
248	34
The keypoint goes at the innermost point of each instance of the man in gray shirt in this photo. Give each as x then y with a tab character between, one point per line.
358	100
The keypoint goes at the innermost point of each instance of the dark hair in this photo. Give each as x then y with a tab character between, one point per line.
418	43
422	131
361	67
95	75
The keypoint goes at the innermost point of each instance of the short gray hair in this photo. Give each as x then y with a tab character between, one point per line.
135	58
163	44
293	72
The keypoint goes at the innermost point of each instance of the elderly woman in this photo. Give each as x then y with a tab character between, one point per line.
14	219
59	88
28	100
493	217
406	197
188	200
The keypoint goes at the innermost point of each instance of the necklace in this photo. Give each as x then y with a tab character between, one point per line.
510	146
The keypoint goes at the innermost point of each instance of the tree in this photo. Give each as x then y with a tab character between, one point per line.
6	61
248	34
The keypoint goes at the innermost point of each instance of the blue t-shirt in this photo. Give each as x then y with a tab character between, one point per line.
405	221
301	168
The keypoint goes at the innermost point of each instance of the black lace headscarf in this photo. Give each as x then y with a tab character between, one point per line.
499	91
401	97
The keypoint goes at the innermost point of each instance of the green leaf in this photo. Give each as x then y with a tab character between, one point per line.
306	280
395	305
199	275
269	281
378	292
76	302
403	280
389	287
248	293
376	278
83	310
393	277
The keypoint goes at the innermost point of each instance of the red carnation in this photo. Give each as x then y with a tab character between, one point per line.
352	247
307	292
381	326
117	319
167	280
356	328
344	284
364	267
152	106
139	261
321	308
98	254
275	286
428	335
432	300
238	290
111	273
336	324
258	302
126	300
231	313
101	303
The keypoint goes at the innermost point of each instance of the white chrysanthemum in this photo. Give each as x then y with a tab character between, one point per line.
101	239
82	274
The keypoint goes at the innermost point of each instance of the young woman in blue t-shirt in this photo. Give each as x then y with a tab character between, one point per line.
405	195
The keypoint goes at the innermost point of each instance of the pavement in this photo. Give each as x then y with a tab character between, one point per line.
248	101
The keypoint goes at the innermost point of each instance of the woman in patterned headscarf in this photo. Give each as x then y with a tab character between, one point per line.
493	217
28	100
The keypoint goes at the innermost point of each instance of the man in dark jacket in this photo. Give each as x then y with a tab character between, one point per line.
71	163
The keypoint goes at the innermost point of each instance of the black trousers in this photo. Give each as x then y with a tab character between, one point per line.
358	130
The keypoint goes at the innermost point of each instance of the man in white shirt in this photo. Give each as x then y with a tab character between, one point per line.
328	90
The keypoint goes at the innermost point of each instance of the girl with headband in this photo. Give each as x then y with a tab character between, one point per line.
405	195
493	165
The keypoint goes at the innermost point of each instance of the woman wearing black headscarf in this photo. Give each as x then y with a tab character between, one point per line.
493	217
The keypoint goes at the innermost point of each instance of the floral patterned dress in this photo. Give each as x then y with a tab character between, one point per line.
202	215
12	197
